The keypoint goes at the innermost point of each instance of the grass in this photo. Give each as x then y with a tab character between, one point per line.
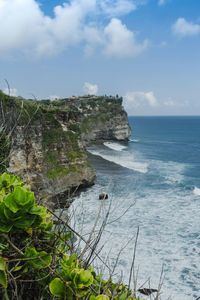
72	155
62	170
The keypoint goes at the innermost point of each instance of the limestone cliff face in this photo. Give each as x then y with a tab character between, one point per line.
104	118
48	139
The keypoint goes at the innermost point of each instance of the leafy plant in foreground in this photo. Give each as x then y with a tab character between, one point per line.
33	252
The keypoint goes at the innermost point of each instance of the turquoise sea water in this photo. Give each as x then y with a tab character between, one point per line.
159	172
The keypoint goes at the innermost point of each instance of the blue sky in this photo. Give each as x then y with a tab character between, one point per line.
147	51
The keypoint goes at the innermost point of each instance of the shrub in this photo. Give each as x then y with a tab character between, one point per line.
37	259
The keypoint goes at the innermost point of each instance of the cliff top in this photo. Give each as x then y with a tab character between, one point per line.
74	100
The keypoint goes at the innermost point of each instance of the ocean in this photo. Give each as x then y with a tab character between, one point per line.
153	182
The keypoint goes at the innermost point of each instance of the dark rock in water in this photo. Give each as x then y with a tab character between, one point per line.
103	196
147	292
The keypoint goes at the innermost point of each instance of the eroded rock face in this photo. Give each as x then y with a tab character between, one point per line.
47	144
51	159
116	128
104	118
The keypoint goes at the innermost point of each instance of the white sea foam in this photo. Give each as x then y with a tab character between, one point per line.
196	191
163	221
125	161
170	171
115	146
133	140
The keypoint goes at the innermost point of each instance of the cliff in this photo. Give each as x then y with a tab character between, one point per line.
103	118
44	141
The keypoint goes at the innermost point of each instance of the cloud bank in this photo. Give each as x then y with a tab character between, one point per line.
136	100
183	28
144	103
26	29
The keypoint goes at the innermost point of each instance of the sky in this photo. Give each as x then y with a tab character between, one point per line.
147	51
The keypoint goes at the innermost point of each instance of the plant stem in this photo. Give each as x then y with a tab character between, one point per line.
6	294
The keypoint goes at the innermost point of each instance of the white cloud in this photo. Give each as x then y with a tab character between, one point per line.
135	100
184	28
94	37
90	89
24	26
171	103
54	97
117	8
25	29
146	103
121	42
11	92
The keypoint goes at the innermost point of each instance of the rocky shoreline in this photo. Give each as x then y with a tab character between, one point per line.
48	141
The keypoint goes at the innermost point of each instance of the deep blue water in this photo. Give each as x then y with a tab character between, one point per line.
159	171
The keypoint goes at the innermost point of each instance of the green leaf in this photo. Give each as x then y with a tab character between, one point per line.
65	274
68	260
25	270
85	278
4	179
2	264
2	215
10	216
25	222
43	262
18	268
123	296
68	235
81	293
57	288
102	297
30	200
49	226
20	196
3	275
10	203
92	297
38	210
5	227
3	279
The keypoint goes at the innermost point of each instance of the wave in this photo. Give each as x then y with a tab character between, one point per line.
196	191
115	146
133	140
170	171
124	161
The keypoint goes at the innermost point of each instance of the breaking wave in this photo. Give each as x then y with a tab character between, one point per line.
196	191
115	146
122	160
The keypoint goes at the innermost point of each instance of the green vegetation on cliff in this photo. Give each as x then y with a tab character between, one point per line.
62	170
4	151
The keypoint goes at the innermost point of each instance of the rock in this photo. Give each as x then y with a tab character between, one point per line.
147	292
103	196
47	145
108	121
